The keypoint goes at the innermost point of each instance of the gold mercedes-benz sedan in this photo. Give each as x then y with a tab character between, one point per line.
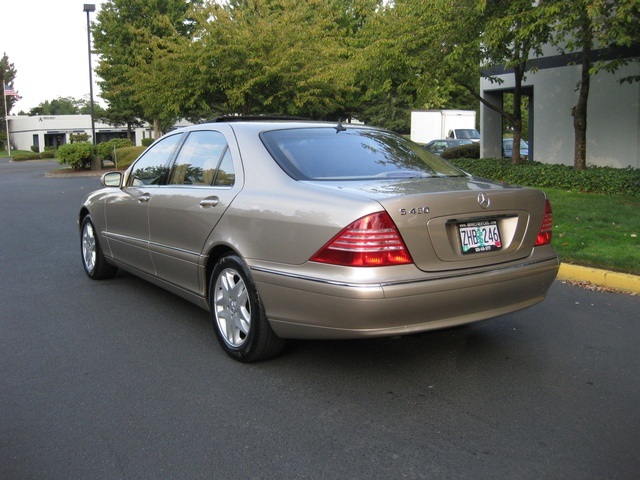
293	229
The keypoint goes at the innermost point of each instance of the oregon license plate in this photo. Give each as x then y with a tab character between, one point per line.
476	237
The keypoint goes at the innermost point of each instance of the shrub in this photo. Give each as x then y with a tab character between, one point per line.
48	154
602	180
35	149
462	151
21	157
127	155
105	149
147	141
79	137
78	155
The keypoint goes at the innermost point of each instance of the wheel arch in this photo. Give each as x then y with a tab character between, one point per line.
84	211
215	254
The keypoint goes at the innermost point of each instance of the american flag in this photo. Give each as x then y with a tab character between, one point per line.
10	91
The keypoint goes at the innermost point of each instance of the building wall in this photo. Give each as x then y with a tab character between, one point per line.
613	116
58	128
23	128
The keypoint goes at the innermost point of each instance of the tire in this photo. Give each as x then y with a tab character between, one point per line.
93	260
237	313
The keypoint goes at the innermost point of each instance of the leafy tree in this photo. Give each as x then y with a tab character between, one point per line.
58	106
281	56
7	77
582	26
511	36
387	66
478	35
431	54
130	36
65	106
416	55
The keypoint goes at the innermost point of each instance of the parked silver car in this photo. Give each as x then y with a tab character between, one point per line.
507	148
287	229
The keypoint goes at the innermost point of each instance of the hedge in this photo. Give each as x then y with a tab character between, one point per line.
21	157
126	156
602	180
78	155
105	149
462	151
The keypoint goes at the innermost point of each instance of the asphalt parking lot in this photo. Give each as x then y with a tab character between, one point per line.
119	379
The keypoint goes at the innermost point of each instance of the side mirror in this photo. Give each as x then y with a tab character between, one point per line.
111	179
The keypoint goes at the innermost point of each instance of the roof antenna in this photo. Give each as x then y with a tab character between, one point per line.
340	128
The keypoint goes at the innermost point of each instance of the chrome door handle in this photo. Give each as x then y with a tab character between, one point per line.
209	202
144	198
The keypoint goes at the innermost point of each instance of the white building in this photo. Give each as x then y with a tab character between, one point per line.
55	130
613	112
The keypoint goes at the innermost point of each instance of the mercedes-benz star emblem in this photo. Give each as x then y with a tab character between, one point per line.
483	200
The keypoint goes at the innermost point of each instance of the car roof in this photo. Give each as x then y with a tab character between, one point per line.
262	123
257	118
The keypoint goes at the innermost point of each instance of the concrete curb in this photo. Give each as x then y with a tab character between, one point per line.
62	174
622	282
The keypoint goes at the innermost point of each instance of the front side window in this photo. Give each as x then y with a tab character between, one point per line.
151	168
354	154
199	159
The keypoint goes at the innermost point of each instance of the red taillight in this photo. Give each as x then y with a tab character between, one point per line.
371	241
544	235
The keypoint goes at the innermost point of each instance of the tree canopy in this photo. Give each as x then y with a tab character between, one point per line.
7	76
65	106
582	26
131	38
373	60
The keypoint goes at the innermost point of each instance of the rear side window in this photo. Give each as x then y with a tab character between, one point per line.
200	158
225	176
357	153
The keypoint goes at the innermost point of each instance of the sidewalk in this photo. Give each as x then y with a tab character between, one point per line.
621	282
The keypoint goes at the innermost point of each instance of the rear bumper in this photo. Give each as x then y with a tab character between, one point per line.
312	308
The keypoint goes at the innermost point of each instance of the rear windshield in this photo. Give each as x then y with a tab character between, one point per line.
353	154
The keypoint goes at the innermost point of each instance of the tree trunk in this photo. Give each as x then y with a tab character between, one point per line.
579	112
518	72
156	130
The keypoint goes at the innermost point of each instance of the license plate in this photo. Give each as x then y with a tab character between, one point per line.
476	237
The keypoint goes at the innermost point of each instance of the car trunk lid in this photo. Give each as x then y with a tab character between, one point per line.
461	222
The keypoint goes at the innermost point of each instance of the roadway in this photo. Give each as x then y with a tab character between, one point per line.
119	379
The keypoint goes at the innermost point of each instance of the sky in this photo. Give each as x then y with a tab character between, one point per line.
46	41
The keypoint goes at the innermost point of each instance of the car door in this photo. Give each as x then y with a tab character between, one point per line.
201	185
127	212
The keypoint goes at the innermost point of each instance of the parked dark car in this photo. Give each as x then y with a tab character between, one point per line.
440	145
507	148
291	229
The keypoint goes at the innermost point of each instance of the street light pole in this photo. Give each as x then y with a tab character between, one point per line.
90	7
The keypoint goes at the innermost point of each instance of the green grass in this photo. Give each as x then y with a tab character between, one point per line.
3	152
601	231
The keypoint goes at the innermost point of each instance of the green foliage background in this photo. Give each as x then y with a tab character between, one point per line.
78	155
600	180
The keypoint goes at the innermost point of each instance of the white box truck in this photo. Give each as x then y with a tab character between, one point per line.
427	125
